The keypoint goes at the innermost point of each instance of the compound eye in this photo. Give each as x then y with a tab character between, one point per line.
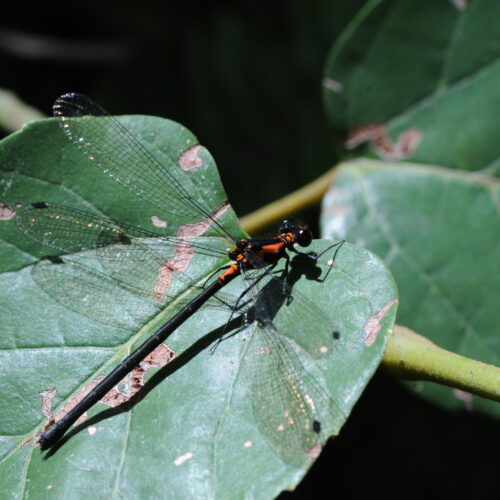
286	226
303	237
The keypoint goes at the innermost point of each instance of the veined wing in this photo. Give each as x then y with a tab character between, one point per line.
121	156
108	260
296	316
94	294
291	406
110	301
71	231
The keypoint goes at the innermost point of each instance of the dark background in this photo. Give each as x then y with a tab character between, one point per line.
245	78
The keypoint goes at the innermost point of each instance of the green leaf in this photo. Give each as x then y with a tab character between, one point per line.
40	164
425	66
438	231
195	434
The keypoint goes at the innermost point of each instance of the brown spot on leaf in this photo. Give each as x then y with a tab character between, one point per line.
76	399
374	325
363	134
183	458
459	4
408	141
184	252
199	228
332	84
120	394
178	263
264	350
6	212
314	452
27	441
465	397
376	134
158	222
189	159
47	398
134	381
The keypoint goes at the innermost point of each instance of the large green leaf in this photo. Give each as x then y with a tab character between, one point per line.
439	232
196	434
425	65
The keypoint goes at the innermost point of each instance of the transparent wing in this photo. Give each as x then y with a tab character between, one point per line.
108	300
71	231
94	294
116	274
294	413
120	155
297	317
293	410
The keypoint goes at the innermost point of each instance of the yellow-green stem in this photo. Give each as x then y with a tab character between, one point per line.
305	197
413	357
14	113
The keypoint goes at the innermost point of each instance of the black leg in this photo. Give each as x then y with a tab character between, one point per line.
236	305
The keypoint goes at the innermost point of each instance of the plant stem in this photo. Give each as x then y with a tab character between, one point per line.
413	357
307	196
408	355
14	113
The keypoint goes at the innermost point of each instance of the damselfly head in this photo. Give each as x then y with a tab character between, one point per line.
303	236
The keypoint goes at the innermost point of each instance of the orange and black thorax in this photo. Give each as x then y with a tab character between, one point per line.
254	253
